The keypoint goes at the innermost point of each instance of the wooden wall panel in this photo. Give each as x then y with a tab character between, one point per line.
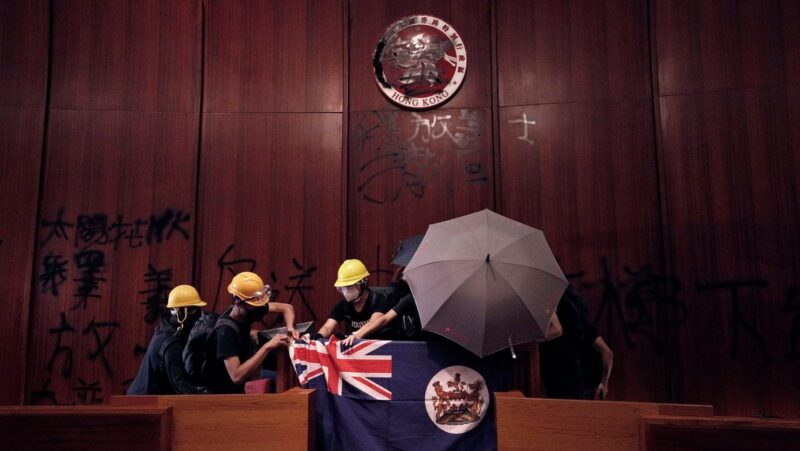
408	170
577	159
116	225
23	59
579	50
271	203
369	19
587	179
706	46
727	72
271	56
23	84
21	131
126	55
731	165
123	185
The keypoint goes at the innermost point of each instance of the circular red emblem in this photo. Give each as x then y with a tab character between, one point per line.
420	62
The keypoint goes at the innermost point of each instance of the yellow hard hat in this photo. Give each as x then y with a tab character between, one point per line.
351	272
184	296
248	287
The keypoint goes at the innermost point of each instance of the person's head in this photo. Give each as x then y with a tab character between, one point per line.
250	296
352	279
184	303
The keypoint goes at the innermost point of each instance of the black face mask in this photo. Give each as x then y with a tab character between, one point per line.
185	319
255	314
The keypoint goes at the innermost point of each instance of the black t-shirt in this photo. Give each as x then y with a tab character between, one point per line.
591	363
228	342
560	358
354	320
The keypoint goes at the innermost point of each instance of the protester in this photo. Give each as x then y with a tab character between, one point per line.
360	304
162	370
234	361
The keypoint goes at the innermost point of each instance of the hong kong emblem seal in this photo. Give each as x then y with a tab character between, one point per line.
420	62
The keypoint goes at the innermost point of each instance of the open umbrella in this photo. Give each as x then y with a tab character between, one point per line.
485	282
406	250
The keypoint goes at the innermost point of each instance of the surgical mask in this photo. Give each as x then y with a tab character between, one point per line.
350	293
254	314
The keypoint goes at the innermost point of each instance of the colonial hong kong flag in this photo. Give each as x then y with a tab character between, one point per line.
365	371
381	395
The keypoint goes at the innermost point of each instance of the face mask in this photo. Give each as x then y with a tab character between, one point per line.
350	293
185	317
255	314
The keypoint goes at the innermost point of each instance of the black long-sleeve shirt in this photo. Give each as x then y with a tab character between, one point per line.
162	371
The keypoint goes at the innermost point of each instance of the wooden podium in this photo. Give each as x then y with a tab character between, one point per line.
284	421
556	424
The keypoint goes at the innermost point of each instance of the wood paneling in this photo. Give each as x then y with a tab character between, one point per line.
732	201
408	170
23	77
23	53
369	19
138	170
21	131
211	422
126	55
707	46
744	434
271	189
288	192
556	424
273	56
562	51
585	175
85	428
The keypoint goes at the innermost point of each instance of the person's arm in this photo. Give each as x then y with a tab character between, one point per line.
176	372
327	329
555	330
288	316
376	322
240	372
607	357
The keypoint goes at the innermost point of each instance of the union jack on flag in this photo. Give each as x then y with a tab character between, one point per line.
361	366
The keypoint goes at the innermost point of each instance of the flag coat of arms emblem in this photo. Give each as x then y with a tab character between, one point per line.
380	395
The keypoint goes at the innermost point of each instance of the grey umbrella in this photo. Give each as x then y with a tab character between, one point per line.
485	282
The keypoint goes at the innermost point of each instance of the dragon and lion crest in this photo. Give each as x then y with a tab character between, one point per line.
459	403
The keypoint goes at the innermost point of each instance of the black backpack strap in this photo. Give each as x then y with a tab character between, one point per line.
225	319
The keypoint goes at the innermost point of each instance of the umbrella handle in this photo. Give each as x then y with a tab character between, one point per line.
511	347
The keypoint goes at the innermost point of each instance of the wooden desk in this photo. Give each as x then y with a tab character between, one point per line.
660	433
284	421
286	378
554	424
84	428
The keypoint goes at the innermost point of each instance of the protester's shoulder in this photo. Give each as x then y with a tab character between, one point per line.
380	302
404	305
226	329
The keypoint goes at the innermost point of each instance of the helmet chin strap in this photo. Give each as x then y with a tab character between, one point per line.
181	321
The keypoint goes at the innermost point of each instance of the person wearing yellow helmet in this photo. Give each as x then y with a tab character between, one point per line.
359	305
162	370
235	361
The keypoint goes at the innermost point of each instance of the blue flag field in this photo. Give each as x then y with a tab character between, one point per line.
398	395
